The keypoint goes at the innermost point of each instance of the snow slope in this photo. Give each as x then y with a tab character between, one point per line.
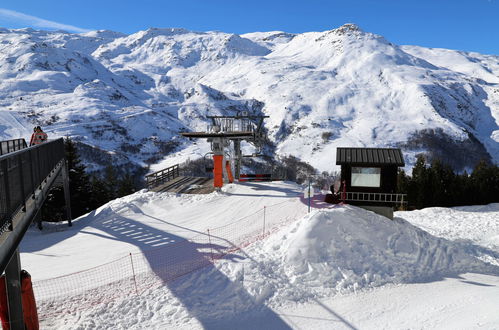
130	95
470	224
338	266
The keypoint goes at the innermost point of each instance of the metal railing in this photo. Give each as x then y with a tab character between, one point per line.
21	173
26	176
231	125
350	196
162	176
9	146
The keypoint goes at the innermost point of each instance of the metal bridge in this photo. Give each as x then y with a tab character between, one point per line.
26	176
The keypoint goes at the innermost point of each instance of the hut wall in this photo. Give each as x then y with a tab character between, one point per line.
388	179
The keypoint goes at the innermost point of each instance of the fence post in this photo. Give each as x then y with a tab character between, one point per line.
21	181
344	192
264	209
38	166
133	272
5	171
32	175
211	247
309	196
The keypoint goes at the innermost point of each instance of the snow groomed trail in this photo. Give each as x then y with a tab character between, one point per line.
156	266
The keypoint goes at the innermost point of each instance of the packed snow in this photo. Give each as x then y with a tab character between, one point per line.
130	95
335	267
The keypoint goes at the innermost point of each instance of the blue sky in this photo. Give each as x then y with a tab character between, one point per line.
471	25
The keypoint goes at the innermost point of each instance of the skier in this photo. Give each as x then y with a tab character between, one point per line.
38	136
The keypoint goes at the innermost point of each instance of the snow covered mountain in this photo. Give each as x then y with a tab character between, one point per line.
128	96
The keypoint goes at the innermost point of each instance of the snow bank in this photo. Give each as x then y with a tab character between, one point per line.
348	248
323	254
477	224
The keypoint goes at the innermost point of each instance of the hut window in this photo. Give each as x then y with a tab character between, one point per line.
366	177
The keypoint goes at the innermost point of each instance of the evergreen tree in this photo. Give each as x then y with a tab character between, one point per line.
100	192
441	178
485	182
403	184
438	185
403	181
111	182
79	181
79	189
418	189
126	185
462	190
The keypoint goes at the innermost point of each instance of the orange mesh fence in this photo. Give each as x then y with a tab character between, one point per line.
137	272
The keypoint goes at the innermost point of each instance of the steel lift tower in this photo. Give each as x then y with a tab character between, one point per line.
226	129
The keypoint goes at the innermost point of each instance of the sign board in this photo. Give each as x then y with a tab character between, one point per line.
306	193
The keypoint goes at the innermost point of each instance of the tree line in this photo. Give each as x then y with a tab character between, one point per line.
87	191
436	184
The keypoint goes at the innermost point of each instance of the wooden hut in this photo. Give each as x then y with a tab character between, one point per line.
369	178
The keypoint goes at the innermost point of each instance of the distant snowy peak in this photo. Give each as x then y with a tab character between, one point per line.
333	48
269	40
178	47
104	34
485	67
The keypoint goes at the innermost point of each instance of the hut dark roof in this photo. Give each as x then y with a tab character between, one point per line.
369	156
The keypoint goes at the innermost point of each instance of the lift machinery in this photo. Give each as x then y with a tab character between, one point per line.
226	129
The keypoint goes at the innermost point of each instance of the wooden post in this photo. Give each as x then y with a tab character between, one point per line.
133	272
211	247
264	209
344	192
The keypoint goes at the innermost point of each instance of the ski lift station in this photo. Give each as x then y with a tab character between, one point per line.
225	134
224	130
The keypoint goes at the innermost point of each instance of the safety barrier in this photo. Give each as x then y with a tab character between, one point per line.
162	176
351	196
21	173
9	146
26	176
137	273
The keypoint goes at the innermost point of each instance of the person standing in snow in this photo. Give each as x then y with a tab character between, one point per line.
38	136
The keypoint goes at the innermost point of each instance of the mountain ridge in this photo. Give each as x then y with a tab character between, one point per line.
130	95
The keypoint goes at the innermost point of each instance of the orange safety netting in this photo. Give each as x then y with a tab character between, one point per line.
138	273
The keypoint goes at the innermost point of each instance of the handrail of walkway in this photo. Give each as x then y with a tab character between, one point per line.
9	146
25	178
353	196
162	176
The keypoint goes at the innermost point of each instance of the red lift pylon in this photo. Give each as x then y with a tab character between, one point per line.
218	175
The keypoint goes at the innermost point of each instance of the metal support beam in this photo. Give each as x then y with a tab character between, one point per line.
5	170
65	182
237	158
14	295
